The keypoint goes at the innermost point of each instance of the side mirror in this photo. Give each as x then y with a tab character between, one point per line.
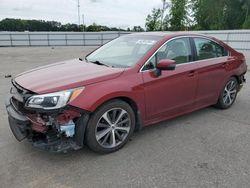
166	64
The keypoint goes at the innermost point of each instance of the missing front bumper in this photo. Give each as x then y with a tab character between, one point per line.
51	140
18	122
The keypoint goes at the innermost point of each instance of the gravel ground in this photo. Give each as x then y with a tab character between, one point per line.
207	148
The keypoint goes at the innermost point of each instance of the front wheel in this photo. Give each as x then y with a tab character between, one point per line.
228	94
110	127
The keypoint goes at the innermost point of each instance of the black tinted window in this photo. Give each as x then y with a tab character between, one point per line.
207	49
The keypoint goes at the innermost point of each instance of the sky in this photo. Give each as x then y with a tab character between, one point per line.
112	13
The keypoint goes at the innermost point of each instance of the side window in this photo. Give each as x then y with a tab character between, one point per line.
207	49
177	49
151	64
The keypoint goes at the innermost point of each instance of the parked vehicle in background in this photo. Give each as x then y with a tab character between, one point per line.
131	82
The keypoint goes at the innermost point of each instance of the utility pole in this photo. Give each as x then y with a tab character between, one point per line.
79	19
165	5
162	13
82	22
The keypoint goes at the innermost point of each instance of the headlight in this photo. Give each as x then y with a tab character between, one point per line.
53	101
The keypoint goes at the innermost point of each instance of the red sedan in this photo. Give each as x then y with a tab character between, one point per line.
131	82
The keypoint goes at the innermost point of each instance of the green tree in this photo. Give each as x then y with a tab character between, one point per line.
138	29
246	8
41	25
153	20
178	15
234	14
12	25
219	14
94	27
200	15
208	14
246	24
165	23
70	27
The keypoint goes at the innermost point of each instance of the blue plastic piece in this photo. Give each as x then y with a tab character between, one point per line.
68	129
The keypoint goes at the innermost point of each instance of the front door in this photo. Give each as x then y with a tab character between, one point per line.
172	91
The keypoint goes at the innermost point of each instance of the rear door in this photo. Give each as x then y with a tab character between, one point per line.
173	91
211	59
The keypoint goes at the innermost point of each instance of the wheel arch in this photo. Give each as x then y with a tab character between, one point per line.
139	123
237	78
132	104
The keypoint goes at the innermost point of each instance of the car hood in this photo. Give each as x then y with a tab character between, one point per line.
65	75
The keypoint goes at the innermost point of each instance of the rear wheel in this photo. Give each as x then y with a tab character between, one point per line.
228	94
110	127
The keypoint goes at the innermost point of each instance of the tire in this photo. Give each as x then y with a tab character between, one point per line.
228	94
110	127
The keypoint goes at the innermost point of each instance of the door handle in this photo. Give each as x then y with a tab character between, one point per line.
191	74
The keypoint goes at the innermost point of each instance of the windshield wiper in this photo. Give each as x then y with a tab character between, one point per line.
98	63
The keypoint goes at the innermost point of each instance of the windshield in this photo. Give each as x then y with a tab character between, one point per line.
125	51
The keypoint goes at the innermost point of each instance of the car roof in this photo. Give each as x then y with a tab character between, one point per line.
170	34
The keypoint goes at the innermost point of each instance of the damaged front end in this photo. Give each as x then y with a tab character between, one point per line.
53	129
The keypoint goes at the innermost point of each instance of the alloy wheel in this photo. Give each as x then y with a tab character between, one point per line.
230	92
113	128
